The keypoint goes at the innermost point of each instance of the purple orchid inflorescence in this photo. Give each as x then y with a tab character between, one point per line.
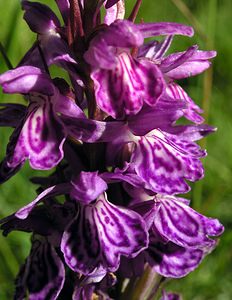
119	159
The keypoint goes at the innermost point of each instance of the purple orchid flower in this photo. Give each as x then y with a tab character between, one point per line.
179	236
178	66
162	159
44	280
41	133
119	170
94	251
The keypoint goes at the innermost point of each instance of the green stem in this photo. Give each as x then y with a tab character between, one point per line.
145	286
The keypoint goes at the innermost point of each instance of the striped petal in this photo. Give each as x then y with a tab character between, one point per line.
164	162
123	90
164	28
180	224
102	52
42	275
192	111
100	234
170	260
41	138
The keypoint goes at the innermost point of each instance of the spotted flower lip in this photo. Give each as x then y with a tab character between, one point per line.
179	236
169	160
99	247
46	123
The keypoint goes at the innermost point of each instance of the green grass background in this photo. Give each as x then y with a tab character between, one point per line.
212	196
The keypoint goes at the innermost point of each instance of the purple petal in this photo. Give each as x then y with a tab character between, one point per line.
26	79
44	272
192	54
87	187
189	69
183	64
46	220
64	6
162	115
180	224
66	106
192	111
163	162
100	234
170	260
90	131
63	188
174	62
164	28
7	171
39	17
124	89
132	179
32	58
41	138
154	49
57	51
102	50
191	132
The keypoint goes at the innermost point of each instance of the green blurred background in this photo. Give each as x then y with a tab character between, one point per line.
212	21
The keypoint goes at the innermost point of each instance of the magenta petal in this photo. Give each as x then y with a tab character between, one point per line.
122	34
168	64
191	132
170	260
162	115
188	69
183	64
63	188
87	186
100	234
124	89
180	224
154	49
26	79
192	110
164	28
41	138
102	52
163	162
